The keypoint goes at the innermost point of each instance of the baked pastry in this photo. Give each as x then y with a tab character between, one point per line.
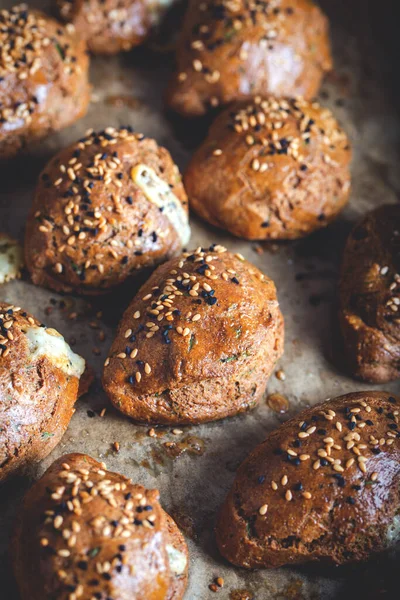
369	296
271	169
230	50
106	207
84	532
197	343
39	382
43	78
324	486
111	26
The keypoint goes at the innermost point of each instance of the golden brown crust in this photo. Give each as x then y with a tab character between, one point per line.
233	49
271	169
198	342
324	486
369	300
84	532
36	397
112	26
43	78
91	226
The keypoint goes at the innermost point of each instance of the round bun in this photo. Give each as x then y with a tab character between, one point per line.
106	207
43	78
84	532
112	26
39	382
324	486
233	50
198	342
271	169
369	296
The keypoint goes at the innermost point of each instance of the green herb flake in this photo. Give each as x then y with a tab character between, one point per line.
229	359
60	51
192	342
228	35
94	552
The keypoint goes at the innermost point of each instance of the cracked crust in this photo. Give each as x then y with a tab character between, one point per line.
291	504
44	81
228	51
91	226
36	397
197	343
112	26
111	543
271	169
369	286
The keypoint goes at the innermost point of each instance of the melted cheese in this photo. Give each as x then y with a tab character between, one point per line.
159	193
177	560
51	344
393	531
11	260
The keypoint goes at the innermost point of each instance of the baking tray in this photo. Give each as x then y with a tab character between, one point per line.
194	474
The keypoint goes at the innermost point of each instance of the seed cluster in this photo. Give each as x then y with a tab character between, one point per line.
193	277
8	317
24	38
285	127
346	440
95	165
223	22
393	303
61	527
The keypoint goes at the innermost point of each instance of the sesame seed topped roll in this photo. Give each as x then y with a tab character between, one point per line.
112	26
198	342
324	486
369	294
85	533
43	78
105	208
40	377
234	49
271	169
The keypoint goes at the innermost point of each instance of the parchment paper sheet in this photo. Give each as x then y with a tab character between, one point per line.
362	93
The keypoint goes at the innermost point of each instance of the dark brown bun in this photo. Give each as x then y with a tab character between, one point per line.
271	169
324	486
112	26
233	50
97	218
43	78
369	296
39	385
84	532
198	342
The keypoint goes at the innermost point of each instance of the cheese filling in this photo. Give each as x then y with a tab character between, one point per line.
177	560
393	531
159	193
52	345
157	8
11	260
